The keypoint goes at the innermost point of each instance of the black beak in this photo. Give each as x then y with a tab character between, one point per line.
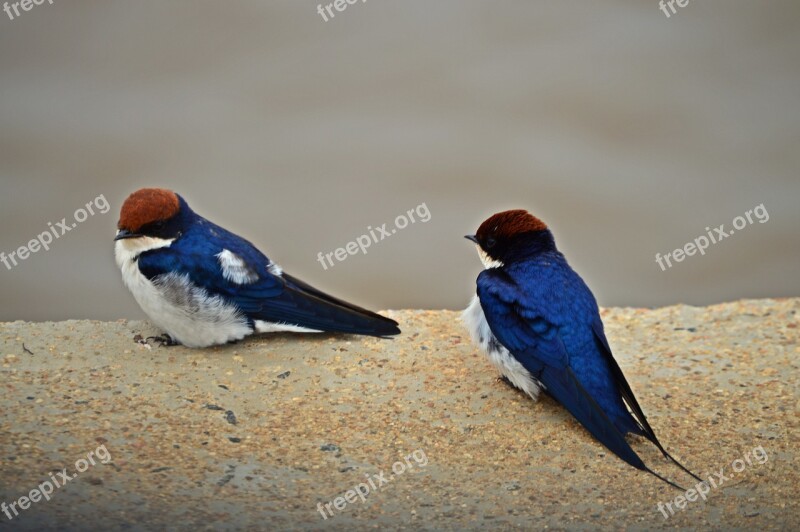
471	237
124	233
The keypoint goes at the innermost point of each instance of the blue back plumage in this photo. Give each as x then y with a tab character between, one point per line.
195	254
269	297
545	315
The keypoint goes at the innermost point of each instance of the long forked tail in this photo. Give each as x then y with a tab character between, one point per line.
676	486
565	388
304	305
666	454
627	395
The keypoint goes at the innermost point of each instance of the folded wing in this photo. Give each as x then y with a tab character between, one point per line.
266	296
537	345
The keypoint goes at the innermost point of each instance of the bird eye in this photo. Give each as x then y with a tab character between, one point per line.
158	225
490	242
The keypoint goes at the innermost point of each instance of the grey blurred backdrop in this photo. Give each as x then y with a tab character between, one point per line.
627	131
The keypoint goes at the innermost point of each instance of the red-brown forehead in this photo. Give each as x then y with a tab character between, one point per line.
510	223
147	205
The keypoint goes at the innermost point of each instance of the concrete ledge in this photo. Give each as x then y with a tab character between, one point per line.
256	434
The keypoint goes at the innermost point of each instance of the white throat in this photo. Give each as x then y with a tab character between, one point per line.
487	261
128	249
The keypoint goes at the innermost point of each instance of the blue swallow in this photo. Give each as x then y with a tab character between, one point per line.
205	286
539	324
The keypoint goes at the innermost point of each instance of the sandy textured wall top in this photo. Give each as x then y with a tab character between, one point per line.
262	431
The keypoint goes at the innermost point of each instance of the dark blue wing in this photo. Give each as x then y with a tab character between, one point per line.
535	342
304	305
270	298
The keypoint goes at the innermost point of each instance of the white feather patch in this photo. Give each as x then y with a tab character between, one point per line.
274	269
269	327
235	269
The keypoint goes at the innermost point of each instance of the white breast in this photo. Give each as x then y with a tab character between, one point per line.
475	322
185	311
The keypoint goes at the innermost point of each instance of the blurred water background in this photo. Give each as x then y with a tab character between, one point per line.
626	131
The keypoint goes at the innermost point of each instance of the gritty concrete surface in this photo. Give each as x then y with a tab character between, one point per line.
255	435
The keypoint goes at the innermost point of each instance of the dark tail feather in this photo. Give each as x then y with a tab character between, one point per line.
304	305
664	479
627	395
564	386
669	456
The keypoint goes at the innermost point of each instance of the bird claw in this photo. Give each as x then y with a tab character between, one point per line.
503	378
165	340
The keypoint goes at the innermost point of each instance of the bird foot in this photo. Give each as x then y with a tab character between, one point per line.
165	340
503	378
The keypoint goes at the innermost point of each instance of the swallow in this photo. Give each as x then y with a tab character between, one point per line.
539	325
206	286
